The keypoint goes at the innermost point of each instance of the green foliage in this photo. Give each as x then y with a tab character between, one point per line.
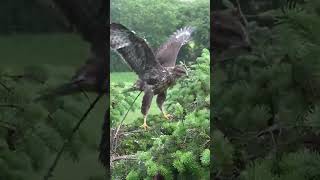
266	102
176	148
300	165
133	175
120	102
205	157
32	131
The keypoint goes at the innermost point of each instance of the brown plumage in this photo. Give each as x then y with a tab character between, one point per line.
156	70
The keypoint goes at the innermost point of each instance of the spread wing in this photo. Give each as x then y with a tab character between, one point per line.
133	49
168	52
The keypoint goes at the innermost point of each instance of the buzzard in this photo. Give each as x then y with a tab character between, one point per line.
156	70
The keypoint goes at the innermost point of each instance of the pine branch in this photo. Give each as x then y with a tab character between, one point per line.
67	141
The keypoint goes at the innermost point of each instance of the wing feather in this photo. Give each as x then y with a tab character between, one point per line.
133	49
168	52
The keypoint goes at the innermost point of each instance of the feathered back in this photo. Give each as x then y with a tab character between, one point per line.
133	49
168	52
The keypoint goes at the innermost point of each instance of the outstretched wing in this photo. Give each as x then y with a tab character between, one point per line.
168	52
133	49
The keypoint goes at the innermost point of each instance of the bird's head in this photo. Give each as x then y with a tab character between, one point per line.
180	70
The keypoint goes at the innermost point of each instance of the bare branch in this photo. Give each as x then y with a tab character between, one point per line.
114	143
124	157
243	18
5	86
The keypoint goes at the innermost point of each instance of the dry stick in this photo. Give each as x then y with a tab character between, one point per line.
116	134
4	86
241	14
55	162
124	157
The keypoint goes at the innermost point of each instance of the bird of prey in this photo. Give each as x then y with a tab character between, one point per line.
156	70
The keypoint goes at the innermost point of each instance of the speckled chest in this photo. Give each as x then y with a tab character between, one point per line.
159	79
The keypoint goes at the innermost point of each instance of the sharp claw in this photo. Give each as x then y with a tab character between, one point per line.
145	126
167	116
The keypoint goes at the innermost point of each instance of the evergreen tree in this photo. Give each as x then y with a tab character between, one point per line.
172	149
266	114
32	131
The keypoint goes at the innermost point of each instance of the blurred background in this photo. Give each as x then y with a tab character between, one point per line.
39	50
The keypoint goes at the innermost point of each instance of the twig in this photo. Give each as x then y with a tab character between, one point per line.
55	162
124	157
241	14
131	132
14	76
83	92
7	125
5	86
121	122
12	106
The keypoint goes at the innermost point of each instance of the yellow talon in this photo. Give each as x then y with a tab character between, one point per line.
167	116
145	126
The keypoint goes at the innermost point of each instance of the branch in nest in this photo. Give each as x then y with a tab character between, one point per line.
127	133
115	139
124	157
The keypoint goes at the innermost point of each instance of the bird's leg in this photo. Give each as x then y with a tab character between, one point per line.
160	100
166	115
146	102
145	125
